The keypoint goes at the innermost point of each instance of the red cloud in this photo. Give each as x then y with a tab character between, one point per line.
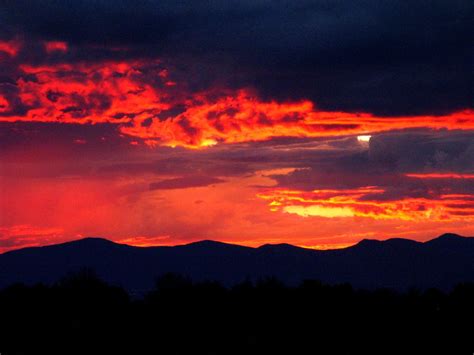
10	47
142	102
55	46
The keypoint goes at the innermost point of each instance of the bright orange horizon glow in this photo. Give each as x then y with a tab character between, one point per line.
140	241
51	210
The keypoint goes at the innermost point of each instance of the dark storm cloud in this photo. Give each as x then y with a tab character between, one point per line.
386	57
185	182
100	139
386	162
42	149
186	163
341	163
423	152
47	150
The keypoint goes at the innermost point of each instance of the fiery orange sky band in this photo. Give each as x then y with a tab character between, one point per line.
108	92
249	209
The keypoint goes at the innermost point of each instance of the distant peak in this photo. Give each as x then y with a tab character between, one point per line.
278	246
446	237
449	236
206	243
365	242
94	239
91	240
392	242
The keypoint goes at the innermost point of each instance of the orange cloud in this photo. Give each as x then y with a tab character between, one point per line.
123	94
441	176
86	94
351	203
243	117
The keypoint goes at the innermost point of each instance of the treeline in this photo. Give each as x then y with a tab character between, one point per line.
81	314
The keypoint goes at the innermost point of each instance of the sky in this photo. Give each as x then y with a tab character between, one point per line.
316	123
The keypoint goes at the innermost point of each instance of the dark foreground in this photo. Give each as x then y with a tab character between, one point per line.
83	315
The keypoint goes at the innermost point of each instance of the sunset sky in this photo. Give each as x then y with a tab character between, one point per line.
315	123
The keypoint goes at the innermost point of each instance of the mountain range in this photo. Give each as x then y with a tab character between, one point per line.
394	263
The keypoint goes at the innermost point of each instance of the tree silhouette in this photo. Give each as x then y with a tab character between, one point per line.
81	314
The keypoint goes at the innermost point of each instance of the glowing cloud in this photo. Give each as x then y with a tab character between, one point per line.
141	99
11	48
364	138
351	203
55	46
318	210
441	176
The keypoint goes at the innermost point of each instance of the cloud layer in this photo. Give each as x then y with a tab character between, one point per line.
311	122
388	57
145	100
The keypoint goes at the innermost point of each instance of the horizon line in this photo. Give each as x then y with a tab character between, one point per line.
447	234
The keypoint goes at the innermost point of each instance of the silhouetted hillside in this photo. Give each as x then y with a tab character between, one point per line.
395	263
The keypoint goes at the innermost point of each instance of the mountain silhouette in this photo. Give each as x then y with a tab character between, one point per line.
394	263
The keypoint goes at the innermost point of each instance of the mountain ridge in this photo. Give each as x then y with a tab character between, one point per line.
210	242
393	263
